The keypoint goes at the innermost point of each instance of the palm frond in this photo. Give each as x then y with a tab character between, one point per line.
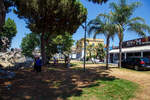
139	28
122	3
123	11
94	25
95	22
114	6
93	29
136	19
102	24
98	32
103	15
134	5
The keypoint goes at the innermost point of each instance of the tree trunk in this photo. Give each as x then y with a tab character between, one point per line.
2	14
120	53
91	58
43	53
107	52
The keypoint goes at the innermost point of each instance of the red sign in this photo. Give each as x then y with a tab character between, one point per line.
136	42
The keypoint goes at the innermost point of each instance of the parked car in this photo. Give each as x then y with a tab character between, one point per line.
137	63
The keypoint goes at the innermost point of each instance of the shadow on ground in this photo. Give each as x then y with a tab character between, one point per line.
53	83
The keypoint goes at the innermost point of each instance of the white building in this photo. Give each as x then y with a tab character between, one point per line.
136	47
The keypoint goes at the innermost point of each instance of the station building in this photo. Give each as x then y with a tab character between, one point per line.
136	47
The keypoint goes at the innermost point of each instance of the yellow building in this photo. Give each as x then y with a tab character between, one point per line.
89	41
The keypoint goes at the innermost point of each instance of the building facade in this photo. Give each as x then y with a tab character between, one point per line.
89	41
73	54
136	47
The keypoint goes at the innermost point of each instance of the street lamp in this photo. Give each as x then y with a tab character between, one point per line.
85	29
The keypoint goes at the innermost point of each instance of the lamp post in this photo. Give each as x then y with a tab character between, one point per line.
85	29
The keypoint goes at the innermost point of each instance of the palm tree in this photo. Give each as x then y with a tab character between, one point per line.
103	24
122	13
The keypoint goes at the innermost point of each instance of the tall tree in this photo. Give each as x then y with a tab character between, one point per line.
57	44
29	43
51	16
122	13
9	30
60	44
103	24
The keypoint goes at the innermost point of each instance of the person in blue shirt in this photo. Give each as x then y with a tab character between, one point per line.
38	64
54	60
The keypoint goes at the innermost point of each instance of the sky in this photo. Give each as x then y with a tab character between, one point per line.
93	11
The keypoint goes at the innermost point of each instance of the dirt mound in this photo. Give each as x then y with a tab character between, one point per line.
14	59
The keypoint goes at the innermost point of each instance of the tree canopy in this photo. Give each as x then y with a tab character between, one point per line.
100	52
4	8
9	30
29	43
49	17
91	51
60	44
57	44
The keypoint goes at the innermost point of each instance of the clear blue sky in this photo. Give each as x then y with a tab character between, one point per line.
93	11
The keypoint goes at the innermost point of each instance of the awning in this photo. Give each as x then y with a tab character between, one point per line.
132	49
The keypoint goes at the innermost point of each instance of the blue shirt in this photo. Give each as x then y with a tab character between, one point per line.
38	62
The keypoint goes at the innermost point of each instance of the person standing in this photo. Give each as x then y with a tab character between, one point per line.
54	60
68	62
35	67
38	64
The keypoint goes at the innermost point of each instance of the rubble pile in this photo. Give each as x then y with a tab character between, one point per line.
14	59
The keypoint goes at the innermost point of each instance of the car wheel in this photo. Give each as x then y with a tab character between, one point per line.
136	68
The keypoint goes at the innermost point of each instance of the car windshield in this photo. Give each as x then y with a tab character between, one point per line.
146	60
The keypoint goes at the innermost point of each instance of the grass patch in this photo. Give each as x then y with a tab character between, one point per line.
76	68
74	64
106	89
56	84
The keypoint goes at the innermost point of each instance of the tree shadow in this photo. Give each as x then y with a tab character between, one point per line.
53	83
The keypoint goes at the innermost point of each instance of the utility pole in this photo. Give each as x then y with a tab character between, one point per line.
85	28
